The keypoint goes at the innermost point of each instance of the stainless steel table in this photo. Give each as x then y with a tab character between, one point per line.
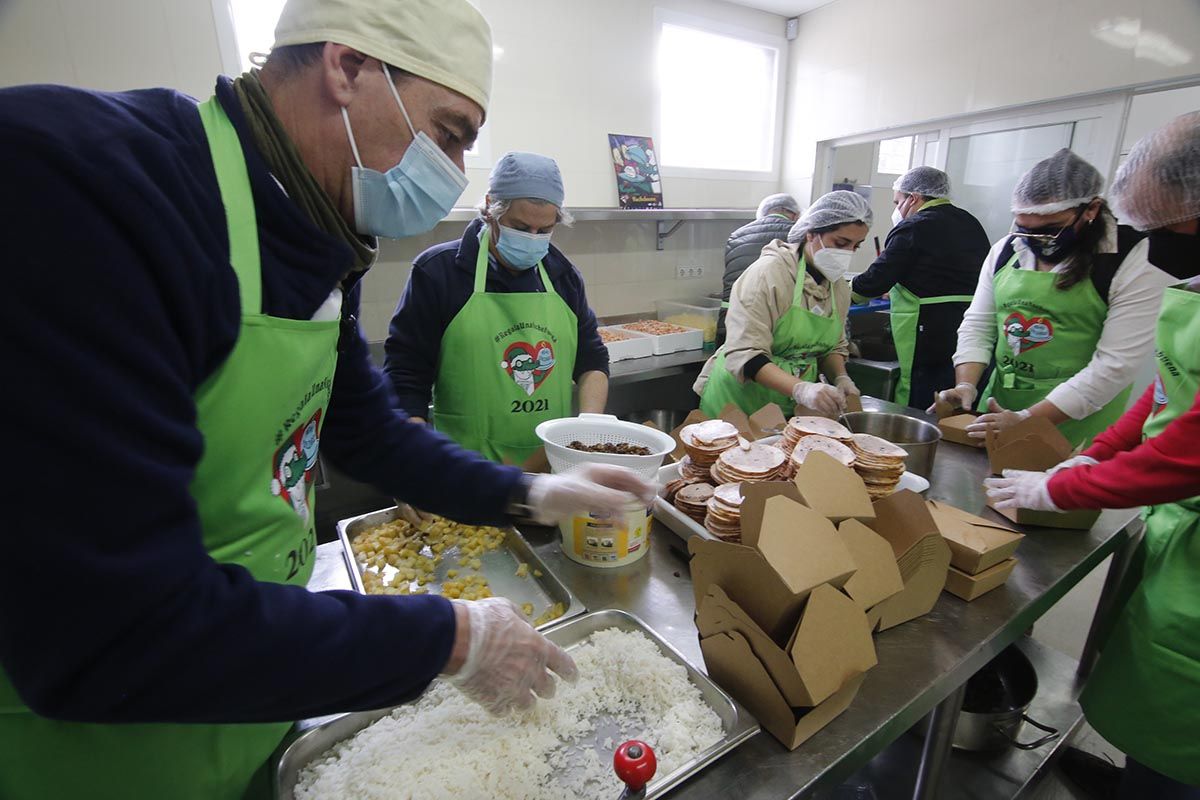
922	663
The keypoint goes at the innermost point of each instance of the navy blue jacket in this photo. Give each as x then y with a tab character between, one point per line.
118	303
935	252
441	282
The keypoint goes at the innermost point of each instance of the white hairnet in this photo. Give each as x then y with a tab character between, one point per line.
777	202
1062	181
1159	184
927	181
445	41
830	210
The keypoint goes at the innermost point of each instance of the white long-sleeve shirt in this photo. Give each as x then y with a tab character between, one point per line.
1134	299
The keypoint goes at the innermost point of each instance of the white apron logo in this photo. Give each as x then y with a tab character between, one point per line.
294	463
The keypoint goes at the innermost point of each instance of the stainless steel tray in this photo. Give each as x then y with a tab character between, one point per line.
300	748
498	566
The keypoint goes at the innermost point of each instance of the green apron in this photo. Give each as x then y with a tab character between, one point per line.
799	340
507	363
1045	336
1144	695
905	318
261	415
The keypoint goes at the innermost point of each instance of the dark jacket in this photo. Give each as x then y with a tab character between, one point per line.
743	249
935	252
120	303
441	282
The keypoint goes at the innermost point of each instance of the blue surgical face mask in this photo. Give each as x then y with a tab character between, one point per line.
521	250
411	197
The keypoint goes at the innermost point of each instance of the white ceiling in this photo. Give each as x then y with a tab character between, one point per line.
786	8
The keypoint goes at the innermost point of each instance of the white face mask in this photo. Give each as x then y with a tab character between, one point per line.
831	262
897	217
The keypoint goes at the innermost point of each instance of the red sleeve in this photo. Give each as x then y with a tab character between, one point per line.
1164	469
1126	433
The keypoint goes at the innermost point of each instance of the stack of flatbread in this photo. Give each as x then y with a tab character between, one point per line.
822	444
705	441
800	427
724	519
879	462
752	463
693	500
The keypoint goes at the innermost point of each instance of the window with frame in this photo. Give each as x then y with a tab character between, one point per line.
717	100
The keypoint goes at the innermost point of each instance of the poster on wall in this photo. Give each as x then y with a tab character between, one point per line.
638	183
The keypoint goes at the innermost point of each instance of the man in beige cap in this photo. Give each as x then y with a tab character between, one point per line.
179	318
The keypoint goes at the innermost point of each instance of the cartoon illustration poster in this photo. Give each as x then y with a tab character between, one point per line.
639	184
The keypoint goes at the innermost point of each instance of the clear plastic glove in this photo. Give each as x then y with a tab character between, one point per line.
1019	488
822	398
961	396
601	489
1073	461
508	662
846	384
413	516
997	419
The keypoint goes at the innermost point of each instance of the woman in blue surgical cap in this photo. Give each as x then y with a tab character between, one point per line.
495	328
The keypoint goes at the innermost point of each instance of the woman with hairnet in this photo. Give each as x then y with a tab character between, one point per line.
495	327
1144	694
1065	305
787	318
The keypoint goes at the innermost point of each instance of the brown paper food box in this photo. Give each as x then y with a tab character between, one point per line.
1033	444
878	576
976	544
922	555
969	587
831	645
833	490
953	422
787	551
1070	520
731	663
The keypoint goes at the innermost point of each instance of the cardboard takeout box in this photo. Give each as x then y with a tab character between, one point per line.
922	556
833	490
953	422
976	544
969	587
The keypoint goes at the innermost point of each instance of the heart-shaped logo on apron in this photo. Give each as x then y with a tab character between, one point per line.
1024	334
528	365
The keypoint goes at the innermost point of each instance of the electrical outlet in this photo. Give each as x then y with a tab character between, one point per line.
689	272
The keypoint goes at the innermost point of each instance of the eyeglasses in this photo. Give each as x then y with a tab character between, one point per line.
1043	238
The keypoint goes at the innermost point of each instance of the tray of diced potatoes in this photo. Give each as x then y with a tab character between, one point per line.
388	555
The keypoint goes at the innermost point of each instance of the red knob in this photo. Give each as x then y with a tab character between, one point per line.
635	764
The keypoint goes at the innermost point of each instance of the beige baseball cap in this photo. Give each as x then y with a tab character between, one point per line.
445	41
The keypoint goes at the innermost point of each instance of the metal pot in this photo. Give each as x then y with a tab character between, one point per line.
918	438
995	703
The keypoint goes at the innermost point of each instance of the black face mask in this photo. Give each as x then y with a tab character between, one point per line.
1052	246
1177	254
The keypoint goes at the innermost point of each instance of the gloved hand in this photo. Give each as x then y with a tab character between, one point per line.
961	396
413	516
997	420
601	489
1073	461
847	385
507	660
820	397
1021	489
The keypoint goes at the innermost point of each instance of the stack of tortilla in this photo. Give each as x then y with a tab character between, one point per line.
724	519
693	500
752	463
823	444
879	462
800	427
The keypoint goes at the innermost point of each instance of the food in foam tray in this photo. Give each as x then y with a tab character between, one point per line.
654	327
608	335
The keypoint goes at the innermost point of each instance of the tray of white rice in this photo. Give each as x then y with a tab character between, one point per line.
632	685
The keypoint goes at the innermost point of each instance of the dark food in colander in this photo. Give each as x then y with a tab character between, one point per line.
616	448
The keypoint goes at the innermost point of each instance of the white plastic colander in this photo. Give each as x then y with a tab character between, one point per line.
590	429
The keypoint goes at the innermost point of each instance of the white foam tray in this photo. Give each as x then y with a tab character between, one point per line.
667	343
638	345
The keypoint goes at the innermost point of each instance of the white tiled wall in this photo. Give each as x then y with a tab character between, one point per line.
623	272
936	59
